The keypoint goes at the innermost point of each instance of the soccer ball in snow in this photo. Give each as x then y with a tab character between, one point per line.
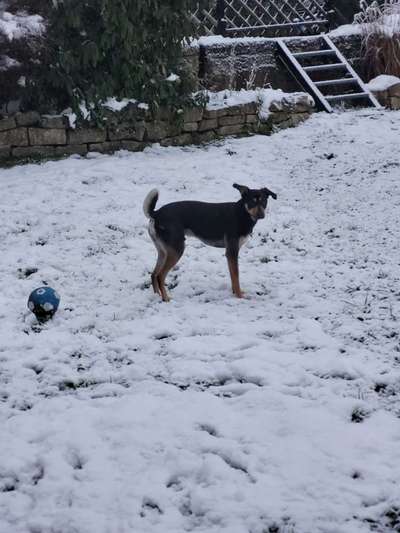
43	302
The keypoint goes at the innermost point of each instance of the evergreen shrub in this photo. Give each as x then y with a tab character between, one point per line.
113	48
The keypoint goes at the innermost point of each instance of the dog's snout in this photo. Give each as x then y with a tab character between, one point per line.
261	213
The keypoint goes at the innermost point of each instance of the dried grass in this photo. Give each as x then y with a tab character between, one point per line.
380	25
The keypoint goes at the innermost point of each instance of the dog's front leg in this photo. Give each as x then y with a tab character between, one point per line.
232	255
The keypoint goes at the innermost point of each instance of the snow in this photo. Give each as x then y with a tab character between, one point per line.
227	98
117	105
265	97
7	62
173	78
383	83
346	30
212	40
391	23
207	414
112	103
15	26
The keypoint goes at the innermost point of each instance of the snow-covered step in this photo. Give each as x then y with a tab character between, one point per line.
339	81
313	53
348	96
329	66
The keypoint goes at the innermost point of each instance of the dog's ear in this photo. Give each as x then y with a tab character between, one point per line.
241	188
270	193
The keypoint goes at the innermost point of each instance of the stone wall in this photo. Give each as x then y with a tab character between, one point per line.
27	136
243	63
389	97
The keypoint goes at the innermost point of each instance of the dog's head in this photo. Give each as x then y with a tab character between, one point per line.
255	200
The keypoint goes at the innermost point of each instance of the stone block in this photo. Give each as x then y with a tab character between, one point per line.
208	124
235	129
394	90
132	146
42	136
250	129
179	140
235	110
87	135
279	116
189	127
71	149
194	114
251	108
53	121
204	137
164	114
127	131
175	128
105	147
16	137
31	118
277	106
155	131
34	151
394	102
252	119
5	152
382	97
296	102
7	123
265	128
292	121
214	113
231	120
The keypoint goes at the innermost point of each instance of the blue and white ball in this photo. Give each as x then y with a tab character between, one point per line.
43	302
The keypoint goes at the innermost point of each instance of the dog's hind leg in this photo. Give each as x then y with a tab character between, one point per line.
162	256
173	256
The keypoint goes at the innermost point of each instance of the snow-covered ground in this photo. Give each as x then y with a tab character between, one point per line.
276	413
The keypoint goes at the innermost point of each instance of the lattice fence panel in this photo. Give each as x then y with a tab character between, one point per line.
265	17
207	19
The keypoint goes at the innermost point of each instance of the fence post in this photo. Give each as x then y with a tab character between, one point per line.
330	14
221	22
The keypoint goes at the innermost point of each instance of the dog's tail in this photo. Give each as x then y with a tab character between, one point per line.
150	203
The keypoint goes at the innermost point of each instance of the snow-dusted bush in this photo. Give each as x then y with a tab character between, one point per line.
114	48
380	24
21	32
88	51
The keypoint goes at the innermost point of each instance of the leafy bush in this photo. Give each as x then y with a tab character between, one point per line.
20	41
122	48
380	23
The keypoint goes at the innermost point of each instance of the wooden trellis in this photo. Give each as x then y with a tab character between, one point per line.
272	18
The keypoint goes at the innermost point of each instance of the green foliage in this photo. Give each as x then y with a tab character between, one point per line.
123	48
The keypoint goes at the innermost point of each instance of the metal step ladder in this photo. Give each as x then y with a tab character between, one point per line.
343	84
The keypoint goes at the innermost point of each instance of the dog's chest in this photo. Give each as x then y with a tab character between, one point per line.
244	239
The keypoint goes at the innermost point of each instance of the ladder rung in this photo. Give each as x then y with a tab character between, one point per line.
350	96
330	66
339	81
300	55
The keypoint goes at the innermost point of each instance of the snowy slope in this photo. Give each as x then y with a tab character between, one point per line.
276	413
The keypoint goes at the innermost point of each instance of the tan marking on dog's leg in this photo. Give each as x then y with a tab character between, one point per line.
162	256
171	260
234	273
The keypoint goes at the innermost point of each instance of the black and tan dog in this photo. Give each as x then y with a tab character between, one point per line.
224	225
